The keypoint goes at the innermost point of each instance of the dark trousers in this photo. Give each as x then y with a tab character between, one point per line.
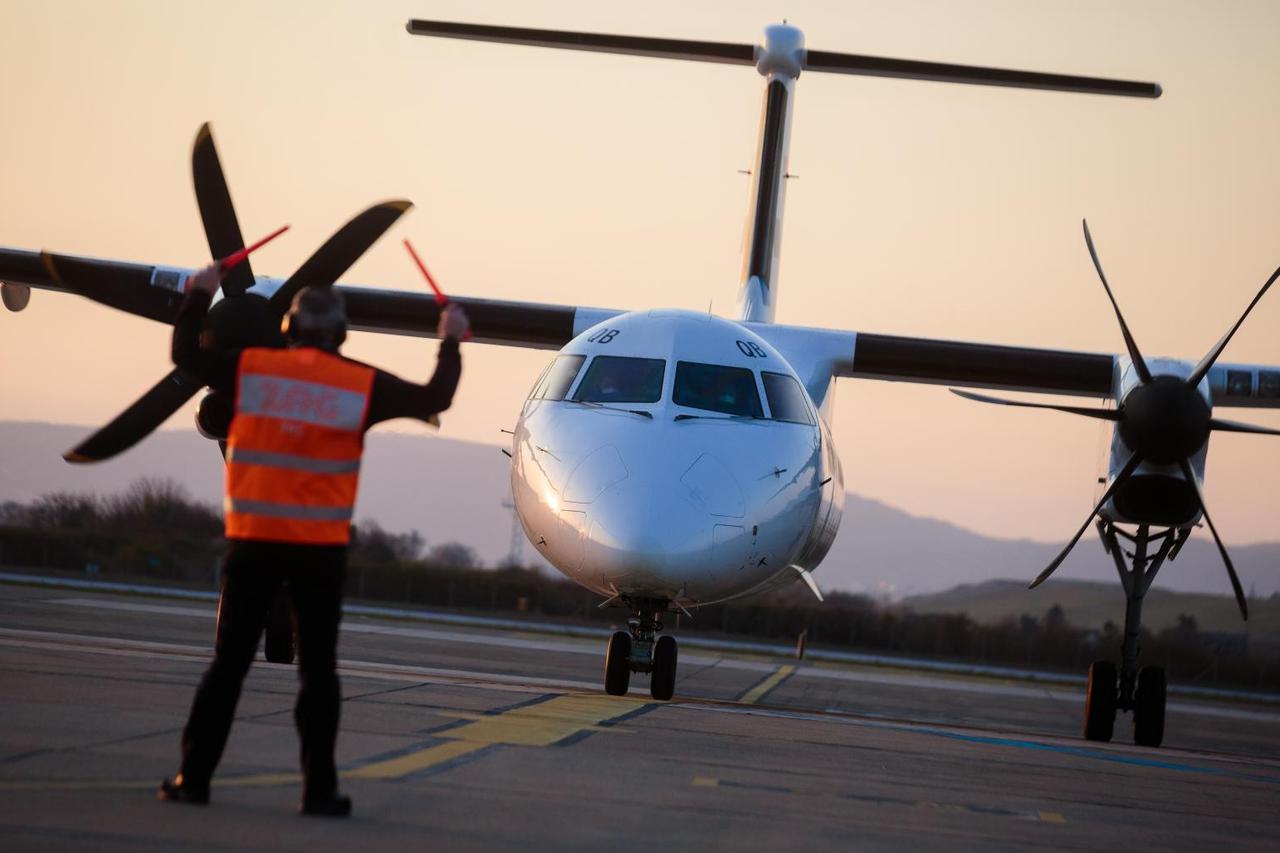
251	577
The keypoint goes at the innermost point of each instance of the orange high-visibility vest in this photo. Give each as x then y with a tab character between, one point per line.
294	447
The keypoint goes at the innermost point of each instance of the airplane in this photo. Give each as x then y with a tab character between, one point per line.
670	459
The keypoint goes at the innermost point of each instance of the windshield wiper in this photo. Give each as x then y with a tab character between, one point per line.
719	417
591	403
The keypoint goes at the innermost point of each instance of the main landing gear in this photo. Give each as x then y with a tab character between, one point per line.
640	649
1140	690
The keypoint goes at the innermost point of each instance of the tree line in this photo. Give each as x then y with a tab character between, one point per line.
154	530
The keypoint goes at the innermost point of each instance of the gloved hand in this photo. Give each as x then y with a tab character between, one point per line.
207	279
453	323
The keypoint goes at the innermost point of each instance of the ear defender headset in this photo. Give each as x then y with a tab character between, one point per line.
317	318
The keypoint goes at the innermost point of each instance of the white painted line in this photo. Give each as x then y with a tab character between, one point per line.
475	638
116	647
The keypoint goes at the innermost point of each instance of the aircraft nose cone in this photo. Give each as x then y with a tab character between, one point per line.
649	536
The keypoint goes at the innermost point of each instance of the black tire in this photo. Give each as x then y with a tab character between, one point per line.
1100	701
279	642
617	664
662	684
1148	707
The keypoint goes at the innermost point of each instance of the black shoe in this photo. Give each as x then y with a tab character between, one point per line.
179	790
332	805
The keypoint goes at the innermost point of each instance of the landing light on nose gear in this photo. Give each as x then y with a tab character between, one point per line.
640	649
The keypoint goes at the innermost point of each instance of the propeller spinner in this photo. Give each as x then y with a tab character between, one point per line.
241	318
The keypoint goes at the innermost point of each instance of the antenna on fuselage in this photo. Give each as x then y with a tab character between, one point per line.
780	60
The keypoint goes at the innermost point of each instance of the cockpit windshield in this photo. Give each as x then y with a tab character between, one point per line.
716	388
617	379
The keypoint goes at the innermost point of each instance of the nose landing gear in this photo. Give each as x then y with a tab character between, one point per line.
1140	690
640	649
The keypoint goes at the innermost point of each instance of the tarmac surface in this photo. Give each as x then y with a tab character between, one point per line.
459	739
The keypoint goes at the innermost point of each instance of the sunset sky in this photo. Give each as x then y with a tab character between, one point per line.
921	208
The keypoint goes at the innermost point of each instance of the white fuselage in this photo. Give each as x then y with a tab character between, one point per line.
658	490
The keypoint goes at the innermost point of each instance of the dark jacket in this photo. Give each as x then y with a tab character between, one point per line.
392	396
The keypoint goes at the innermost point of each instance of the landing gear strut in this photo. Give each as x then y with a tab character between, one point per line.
640	649
1137	689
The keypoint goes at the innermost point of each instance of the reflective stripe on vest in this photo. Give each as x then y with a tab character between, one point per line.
294	448
293	461
301	401
296	512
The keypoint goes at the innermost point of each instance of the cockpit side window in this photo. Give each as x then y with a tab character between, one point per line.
556	382
618	379
717	388
537	383
786	399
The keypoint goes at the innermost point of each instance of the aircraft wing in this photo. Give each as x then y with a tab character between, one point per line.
820	354
156	292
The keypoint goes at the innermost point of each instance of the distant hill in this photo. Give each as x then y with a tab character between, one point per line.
453	490
1089	605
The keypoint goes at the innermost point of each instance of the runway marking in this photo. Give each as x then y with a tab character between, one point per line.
755	694
842	718
1096	754
414	762
541	724
537	725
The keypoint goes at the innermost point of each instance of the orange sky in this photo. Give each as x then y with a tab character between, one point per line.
921	208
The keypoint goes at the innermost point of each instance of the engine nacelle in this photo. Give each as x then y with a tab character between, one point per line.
213	416
15	296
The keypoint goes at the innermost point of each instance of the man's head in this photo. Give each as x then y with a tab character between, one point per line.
317	318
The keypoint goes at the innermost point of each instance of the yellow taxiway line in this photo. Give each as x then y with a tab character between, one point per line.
779	675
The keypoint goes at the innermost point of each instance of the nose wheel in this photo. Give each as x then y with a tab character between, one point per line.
617	664
640	649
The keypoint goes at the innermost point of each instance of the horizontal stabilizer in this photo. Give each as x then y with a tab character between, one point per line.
704	51
813	60
943	72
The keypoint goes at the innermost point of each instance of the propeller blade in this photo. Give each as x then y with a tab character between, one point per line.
1100	414
1139	363
133	288
1127	471
1222	549
1233	426
340	251
216	210
1210	357
138	421
945	72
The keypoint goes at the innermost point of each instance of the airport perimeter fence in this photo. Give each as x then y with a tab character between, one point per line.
384	572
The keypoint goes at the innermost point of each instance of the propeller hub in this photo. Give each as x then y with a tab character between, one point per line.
247	320
1165	420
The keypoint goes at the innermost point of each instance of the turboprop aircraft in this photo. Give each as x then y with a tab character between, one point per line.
668	459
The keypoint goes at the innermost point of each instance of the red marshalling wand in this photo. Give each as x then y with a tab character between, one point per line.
234	259
441	299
